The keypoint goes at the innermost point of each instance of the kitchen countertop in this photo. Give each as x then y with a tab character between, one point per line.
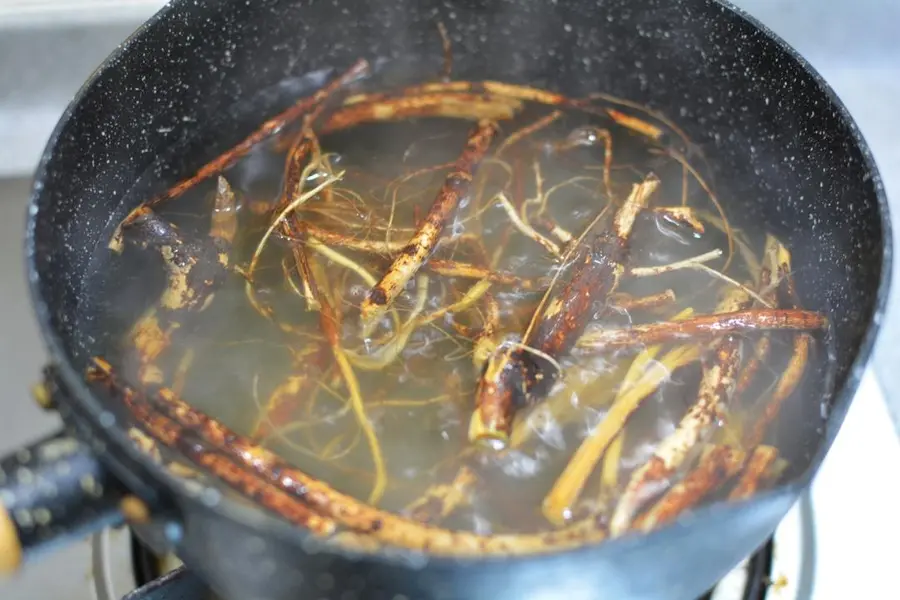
46	55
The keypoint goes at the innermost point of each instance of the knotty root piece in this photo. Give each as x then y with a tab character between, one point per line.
513	377
290	493
452	268
787	383
793	374
716	388
756	470
718	465
195	269
423	242
644	376
683	215
596	275
166	419
452	106
359	69
767	285
332	238
702	328
497	395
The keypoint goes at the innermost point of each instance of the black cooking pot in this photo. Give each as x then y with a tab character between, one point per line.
202	74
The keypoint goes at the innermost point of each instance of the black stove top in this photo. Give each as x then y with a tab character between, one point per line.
181	584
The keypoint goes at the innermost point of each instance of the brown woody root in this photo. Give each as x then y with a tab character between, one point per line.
755	471
511	377
423	242
195	269
716	388
289	492
716	467
703	327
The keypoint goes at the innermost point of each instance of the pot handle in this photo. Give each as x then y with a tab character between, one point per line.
50	492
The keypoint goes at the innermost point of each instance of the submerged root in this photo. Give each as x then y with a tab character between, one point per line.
702	328
555	327
452	106
524	228
356	401
716	388
424	241
717	466
645	375
310	503
387	354
195	269
787	383
756	470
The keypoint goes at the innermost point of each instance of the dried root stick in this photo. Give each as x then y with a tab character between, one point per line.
756	470
195	269
424	241
513	376
716	466
702	328
716	387
644	376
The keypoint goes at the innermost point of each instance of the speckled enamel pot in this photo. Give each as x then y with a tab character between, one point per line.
790	155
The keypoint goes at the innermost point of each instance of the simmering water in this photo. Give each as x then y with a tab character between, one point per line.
420	403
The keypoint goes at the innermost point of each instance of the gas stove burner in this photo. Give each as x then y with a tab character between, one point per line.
749	581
